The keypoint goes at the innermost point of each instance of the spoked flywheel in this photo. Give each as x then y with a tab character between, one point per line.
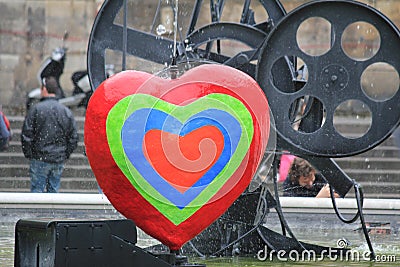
336	73
196	37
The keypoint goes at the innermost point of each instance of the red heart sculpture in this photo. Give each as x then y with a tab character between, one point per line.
203	83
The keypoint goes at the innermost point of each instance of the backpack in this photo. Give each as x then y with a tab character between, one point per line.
5	132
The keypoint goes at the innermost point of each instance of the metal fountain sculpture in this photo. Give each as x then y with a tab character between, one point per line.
329	80
272	58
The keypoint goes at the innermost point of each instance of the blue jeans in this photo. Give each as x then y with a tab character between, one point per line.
45	177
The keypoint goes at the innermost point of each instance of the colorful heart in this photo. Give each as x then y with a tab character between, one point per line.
173	155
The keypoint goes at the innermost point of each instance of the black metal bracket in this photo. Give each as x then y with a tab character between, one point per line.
74	243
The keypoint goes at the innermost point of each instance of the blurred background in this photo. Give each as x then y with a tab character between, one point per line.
31	29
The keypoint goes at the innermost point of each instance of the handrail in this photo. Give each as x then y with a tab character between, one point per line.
289	204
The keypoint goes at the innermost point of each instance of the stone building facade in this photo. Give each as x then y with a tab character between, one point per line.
30	29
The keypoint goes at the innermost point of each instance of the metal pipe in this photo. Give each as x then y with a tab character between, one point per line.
125	36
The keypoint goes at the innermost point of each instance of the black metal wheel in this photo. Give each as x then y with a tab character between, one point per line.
112	30
332	76
248	35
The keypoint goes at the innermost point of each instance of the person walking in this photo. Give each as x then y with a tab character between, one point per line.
48	137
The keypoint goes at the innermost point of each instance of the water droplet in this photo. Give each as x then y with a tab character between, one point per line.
161	29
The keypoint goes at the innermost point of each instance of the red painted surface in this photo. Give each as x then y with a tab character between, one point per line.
189	157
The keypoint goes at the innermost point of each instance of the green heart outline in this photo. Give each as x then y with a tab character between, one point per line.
126	106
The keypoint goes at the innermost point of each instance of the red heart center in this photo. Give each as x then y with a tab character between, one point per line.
183	160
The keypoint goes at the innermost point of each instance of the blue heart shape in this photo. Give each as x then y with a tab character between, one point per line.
143	120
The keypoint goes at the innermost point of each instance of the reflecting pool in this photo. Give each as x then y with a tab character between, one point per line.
386	246
311	220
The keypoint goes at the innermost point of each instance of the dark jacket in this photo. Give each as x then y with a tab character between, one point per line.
49	132
295	190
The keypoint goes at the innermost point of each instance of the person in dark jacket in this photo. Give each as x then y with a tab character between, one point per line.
48	137
304	181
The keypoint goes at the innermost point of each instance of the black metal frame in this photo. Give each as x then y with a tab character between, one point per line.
41	242
153	48
317	139
265	40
